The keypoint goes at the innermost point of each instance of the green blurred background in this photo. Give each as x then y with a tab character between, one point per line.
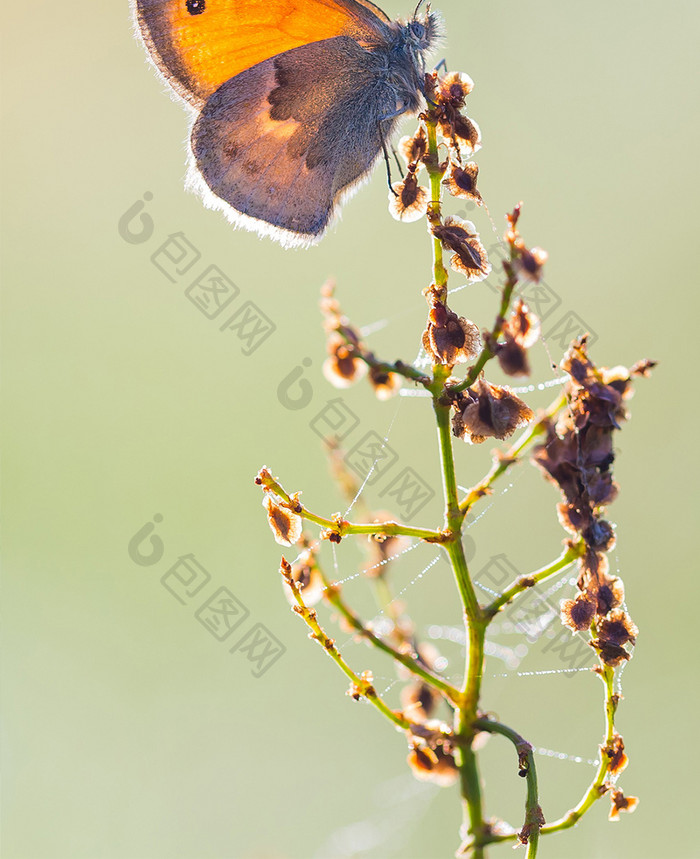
129	730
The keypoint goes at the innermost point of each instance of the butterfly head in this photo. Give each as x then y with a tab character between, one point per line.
422	31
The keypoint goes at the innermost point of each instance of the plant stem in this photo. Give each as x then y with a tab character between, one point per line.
596	789
342	527
333	596
487	353
523	583
470	783
453	517
465	713
526	767
361	685
398	367
432	165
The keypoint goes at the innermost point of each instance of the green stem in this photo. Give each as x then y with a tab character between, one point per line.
470	783
341	527
475	667
362	686
596	788
526	767
594	792
398	367
434	208
453	518
523	583
487	353
334	598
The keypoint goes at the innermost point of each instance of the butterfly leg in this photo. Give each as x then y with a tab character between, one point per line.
386	158
396	158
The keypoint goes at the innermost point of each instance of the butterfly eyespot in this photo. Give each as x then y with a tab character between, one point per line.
196	7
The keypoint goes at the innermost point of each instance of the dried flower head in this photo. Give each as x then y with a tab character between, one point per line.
285	523
579	464
488	411
450	339
414	148
521	331
527	262
454	88
343	366
305	573
430	757
461	182
419	701
408	201
447	96
618	628
464	133
615	753
385	384
523	326
578	613
610	653
530	262
610	593
620	802
596	397
469	256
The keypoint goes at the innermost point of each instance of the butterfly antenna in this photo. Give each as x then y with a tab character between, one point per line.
417	9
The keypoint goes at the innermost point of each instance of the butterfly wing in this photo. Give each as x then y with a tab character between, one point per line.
200	44
282	142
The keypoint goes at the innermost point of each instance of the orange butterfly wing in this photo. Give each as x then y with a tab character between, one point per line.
200	44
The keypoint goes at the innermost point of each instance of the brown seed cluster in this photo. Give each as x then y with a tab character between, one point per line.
461	138
344	364
306	575
620	802
520	331
348	358
409	200
468	254
578	456
488	411
431	753
449	94
449	339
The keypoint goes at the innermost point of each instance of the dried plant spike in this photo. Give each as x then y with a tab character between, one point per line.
571	442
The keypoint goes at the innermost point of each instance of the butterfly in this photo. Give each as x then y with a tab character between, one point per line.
292	101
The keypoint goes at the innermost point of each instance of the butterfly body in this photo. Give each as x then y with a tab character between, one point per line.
286	125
